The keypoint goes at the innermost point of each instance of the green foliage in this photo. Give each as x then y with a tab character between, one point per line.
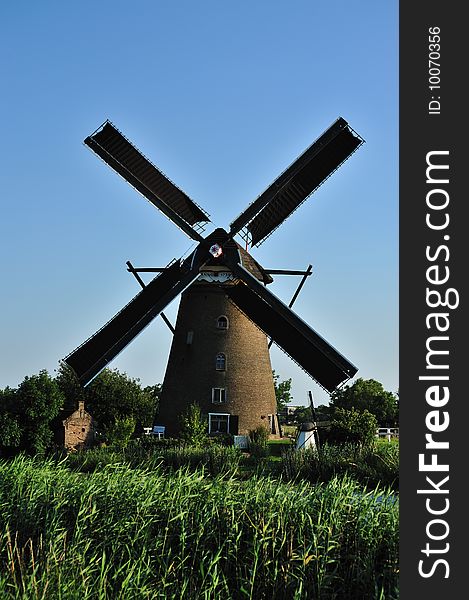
119	432
368	394
193	426
7	400
127	533
282	391
352	426
303	414
323	412
259	435
154	391
39	398
114	397
373	465
279	447
118	403
10	431
159	455
258	442
26	413
70	387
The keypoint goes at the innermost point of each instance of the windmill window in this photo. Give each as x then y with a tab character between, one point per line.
222	322
218	395
220	362
218	422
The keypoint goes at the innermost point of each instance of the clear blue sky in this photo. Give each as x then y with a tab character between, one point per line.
222	97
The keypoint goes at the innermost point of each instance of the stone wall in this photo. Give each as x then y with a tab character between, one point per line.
78	429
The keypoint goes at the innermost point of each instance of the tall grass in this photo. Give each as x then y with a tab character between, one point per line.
375	464
215	459
123	533
372	465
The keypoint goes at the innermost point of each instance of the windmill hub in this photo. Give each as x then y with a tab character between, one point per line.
216	250
219	356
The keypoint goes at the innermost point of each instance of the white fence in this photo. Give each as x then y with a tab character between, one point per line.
388	433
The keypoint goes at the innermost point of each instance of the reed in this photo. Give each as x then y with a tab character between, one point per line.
215	459
131	533
373	465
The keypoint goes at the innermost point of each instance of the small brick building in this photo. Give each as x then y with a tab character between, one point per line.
75	430
219	359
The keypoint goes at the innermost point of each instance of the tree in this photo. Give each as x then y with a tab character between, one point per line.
352	426
37	401
155	392
10	431
114	396
368	394
323	412
70	387
7	399
282	392
303	414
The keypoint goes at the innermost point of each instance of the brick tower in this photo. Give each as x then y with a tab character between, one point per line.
219	359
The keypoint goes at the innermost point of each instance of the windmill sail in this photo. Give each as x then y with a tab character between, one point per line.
298	182
306	347
120	154
93	355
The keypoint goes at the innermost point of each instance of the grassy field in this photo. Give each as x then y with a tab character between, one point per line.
375	465
116	531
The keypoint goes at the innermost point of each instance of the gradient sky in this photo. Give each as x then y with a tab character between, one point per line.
222	97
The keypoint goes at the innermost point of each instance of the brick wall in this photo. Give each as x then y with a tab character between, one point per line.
191	372
78	429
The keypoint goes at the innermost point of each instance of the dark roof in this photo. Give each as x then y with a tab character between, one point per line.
251	265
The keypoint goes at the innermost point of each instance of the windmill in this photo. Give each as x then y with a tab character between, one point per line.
307	433
219	356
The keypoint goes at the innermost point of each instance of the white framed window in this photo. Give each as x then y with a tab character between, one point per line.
222	322
218	422
218	395
220	362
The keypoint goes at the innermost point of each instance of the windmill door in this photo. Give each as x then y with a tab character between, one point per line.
234	424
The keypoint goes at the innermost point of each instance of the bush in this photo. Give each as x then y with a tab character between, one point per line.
10	431
114	396
352	427
258	442
120	431
371	465
223	439
193	426
279	447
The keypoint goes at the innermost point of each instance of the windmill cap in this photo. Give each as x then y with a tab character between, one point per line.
308	426
248	262
251	265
